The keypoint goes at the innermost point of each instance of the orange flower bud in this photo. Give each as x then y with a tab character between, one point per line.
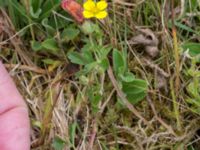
74	9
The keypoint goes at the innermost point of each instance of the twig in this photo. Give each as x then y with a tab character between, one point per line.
123	97
95	129
155	67
169	128
106	102
93	135
26	68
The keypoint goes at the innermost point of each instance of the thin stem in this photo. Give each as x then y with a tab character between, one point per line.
123	97
175	91
27	6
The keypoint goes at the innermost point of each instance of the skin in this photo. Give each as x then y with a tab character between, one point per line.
14	120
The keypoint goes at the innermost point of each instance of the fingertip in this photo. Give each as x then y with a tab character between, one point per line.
9	95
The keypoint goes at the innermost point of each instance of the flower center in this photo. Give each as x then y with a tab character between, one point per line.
95	10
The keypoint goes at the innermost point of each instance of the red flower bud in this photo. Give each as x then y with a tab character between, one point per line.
74	9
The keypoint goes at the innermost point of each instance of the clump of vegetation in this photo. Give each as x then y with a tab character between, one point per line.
123	75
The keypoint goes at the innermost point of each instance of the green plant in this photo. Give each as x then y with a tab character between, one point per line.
58	143
93	58
193	89
135	89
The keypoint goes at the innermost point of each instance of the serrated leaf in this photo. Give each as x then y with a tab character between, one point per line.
135	91
77	58
104	51
88	56
135	86
87	47
90	66
51	45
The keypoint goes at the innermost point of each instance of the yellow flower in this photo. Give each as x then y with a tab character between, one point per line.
95	9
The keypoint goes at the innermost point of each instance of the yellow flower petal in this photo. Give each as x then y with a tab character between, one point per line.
101	14
101	5
89	5
87	14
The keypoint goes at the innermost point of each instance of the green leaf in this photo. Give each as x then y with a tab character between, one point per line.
3	3
193	90
77	58
90	66
36	4
72	133
36	46
87	68
70	33
84	80
118	62
104	64
37	124
194	102
48	7
95	101
48	61
88	56
94	97
135	91
104	51
184	27
17	13
51	45
58	143
87	47
194	48
127	77
83	58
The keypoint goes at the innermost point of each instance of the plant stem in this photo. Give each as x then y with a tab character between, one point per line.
27	6
123	97
175	91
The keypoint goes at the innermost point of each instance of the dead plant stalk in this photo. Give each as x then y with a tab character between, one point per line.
177	71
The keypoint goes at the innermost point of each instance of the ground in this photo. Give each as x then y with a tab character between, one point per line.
129	81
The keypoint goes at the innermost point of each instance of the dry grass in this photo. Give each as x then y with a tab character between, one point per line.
59	105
